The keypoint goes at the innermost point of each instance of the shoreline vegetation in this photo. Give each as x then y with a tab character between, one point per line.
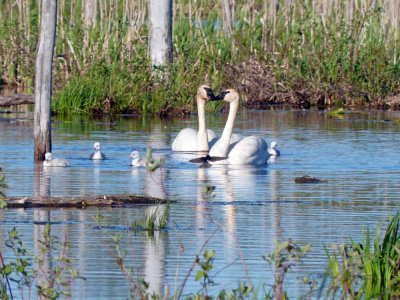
303	53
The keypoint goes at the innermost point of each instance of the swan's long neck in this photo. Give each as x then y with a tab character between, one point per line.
202	138
227	133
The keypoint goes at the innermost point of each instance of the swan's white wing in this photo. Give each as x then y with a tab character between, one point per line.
57	162
97	155
186	140
236	137
251	150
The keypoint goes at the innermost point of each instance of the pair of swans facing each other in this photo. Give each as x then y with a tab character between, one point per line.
230	148
192	140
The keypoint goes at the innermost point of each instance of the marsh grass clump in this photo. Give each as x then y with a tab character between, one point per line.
155	219
367	270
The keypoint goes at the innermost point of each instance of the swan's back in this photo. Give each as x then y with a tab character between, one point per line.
97	155
56	162
186	140
251	150
136	160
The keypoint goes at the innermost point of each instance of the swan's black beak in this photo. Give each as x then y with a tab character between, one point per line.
210	93
220	96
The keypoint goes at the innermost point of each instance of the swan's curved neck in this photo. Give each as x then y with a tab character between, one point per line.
227	133
202	138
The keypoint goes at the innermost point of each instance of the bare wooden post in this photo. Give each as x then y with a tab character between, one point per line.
227	24
43	79
160	32
90	12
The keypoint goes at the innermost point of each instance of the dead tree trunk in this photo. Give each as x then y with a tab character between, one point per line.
227	23
90	12
160	32
43	79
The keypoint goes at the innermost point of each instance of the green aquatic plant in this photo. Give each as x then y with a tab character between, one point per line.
367	270
3	186
339	111
151	163
208	191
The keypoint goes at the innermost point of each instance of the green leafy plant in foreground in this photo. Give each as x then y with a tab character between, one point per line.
25	272
285	256
364	270
205	267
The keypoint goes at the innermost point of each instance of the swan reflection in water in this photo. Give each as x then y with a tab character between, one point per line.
232	186
235	185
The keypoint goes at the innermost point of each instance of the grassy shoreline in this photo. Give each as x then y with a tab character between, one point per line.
328	54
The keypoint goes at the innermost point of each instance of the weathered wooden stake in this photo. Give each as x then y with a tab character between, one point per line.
160	32
43	79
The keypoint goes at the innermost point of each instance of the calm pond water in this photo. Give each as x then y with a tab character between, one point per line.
358	155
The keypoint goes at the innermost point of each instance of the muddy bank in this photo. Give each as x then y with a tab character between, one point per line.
261	88
82	202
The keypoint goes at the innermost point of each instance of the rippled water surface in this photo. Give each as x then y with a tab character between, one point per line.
357	154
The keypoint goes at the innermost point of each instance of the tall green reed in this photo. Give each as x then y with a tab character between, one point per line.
367	270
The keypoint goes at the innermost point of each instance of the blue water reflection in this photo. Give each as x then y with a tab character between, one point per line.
357	155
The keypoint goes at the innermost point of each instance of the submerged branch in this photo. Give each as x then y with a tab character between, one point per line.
81	201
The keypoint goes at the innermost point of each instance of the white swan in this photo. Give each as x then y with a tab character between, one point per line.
190	139
49	161
273	150
250	150
136	160
97	154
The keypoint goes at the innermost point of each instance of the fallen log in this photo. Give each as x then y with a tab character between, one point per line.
81	202
17	99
